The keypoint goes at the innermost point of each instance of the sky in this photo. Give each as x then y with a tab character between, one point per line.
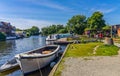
24	14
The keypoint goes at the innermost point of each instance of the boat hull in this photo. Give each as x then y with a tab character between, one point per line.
31	64
51	39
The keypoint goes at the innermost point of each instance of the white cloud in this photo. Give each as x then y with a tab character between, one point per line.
48	3
104	10
27	23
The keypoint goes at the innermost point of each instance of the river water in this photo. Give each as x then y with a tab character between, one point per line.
9	48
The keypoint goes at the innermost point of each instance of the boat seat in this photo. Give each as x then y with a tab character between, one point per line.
46	52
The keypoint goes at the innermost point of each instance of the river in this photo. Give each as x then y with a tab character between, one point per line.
9	48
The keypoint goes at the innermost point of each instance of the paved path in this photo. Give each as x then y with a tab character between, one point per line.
117	44
92	66
94	51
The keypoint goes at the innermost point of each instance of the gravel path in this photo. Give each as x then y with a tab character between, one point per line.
92	66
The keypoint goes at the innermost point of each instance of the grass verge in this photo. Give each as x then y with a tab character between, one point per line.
107	50
59	68
81	50
85	50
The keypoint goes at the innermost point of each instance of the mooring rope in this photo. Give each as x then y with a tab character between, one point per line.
39	67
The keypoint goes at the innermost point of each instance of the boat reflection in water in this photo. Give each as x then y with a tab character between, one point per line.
10	64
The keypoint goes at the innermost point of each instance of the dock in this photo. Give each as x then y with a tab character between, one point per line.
62	41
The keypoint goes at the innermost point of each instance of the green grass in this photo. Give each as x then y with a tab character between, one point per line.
81	38
59	69
85	50
81	50
107	50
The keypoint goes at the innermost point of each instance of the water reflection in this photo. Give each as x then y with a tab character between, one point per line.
12	47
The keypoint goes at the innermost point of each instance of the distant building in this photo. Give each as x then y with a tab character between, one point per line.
7	28
20	33
116	30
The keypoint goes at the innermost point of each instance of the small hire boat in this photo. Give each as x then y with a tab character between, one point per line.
52	37
37	59
11	38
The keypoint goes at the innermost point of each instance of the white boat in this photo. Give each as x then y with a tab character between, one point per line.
37	59
11	38
52	37
9	65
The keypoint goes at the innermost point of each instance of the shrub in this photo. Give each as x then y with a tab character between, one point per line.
27	34
2	36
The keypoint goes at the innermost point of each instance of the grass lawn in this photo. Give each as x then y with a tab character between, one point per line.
84	50
80	50
107	50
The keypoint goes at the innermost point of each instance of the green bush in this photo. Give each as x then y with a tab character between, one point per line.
62	31
27	34
2	36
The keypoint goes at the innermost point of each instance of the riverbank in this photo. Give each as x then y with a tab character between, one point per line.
88	63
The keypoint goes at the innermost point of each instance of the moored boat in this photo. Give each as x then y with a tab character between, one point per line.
55	37
9	65
11	38
52	37
37	59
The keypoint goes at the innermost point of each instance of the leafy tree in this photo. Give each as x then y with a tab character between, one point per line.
77	24
96	21
17	29
62	31
2	36
53	29
45	31
106	28
34	30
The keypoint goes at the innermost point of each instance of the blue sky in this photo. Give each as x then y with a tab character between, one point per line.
26	13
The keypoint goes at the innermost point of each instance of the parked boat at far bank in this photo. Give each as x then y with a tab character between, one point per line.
11	37
52	37
37	59
55	37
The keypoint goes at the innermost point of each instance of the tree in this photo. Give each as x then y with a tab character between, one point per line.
106	30
62	31
53	29
34	30
107	27
17	29
2	36
77	24
96	21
